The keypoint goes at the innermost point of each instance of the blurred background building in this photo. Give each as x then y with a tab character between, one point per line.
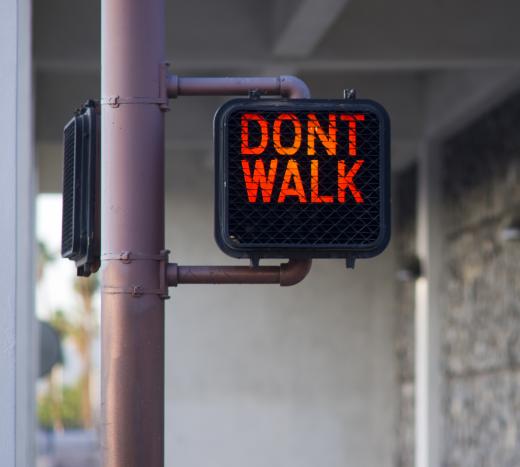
410	359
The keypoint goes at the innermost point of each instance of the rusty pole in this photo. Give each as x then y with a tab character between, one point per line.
132	317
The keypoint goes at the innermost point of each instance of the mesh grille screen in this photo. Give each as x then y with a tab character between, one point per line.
67	234
314	212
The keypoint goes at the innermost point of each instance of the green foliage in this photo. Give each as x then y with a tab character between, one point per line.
69	407
44	255
61	323
64	408
86	286
44	412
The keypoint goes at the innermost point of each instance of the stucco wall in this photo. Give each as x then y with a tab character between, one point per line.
270	376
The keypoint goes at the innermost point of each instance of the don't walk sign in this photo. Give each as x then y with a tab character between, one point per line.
302	178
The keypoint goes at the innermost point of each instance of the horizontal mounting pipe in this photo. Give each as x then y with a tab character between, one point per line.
286	274
285	86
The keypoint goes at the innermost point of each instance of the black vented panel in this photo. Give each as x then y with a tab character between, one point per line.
80	221
69	226
318	220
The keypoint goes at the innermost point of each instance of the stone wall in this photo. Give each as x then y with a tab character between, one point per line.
481	287
404	241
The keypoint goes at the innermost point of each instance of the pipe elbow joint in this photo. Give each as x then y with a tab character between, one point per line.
294	271
294	88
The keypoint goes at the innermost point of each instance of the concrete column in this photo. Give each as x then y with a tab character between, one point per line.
17	367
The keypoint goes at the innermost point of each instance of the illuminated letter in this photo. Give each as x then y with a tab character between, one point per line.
245	148
352	120
314	128
347	181
259	178
292	173
287	150
315	197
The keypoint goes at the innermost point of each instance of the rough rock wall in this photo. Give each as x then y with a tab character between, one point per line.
481	283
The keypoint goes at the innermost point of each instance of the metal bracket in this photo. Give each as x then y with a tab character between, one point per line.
163	86
287	273
162	100
127	257
349	94
255	94
116	101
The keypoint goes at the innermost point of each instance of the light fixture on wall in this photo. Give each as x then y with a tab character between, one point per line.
409	269
511	231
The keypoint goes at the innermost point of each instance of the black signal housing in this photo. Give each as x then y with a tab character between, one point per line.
80	241
292	229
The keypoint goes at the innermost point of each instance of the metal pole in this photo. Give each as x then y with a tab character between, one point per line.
132	317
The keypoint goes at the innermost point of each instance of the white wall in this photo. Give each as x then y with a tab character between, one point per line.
269	376
16	237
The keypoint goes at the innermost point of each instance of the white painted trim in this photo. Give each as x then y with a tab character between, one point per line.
428	370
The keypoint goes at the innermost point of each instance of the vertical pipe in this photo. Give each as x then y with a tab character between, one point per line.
132	214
